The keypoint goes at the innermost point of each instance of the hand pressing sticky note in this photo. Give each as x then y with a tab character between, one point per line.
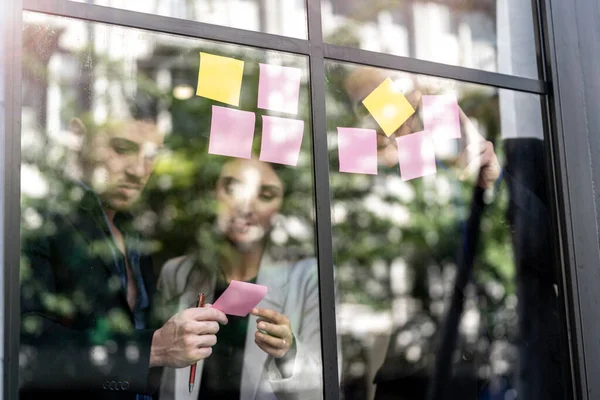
279	88
357	150
416	155
231	132
441	117
388	106
240	298
281	140
220	78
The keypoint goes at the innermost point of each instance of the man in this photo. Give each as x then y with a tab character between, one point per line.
88	321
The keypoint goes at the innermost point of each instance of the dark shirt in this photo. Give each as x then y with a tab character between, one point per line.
122	222
132	245
73	256
222	371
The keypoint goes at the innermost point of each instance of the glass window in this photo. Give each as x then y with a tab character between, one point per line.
155	168
492	35
442	240
279	17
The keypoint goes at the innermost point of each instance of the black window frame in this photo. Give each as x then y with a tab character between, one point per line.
568	54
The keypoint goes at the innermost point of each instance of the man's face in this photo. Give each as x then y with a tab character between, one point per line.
120	161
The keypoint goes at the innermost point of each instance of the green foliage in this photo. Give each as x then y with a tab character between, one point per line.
377	219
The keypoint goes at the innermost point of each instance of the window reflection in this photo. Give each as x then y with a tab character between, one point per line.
444	286
113	131
279	17
492	35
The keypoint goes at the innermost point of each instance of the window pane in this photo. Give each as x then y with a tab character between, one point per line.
422	251
492	35
279	17
129	177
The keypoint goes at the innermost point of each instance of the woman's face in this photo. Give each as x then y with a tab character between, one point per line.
249	196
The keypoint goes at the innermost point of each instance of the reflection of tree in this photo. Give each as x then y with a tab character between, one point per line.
356	21
420	225
180	196
178	208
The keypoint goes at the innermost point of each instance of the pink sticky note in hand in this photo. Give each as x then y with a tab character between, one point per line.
441	117
357	150
281	140
279	88
240	298
231	132
416	155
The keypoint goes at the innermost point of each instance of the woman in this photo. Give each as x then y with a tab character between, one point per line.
274	353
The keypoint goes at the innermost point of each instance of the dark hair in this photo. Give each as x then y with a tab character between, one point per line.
144	107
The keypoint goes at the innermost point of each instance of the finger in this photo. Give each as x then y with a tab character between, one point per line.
201	354
490	174
471	133
407	127
201	327
206	340
194	342
470	152
414	98
193	305
274	330
273	352
271	315
269	321
276	343
475	166
206	314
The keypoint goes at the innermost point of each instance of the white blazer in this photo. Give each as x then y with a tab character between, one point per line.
293	291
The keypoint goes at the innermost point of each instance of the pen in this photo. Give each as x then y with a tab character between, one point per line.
200	303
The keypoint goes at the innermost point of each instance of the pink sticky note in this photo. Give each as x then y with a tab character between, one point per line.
441	117
281	140
231	132
416	155
240	298
279	88
357	150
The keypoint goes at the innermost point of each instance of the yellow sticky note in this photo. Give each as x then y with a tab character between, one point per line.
388	106
220	78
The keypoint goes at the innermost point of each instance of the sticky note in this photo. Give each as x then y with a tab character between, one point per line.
279	88
231	132
441	117
281	140
416	155
388	106
220	78
240	298
357	150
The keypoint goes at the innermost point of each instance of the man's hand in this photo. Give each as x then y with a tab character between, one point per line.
478	158
276	338
186	338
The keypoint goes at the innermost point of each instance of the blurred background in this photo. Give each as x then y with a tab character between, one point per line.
398	246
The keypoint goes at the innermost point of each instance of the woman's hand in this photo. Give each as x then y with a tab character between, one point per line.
274	335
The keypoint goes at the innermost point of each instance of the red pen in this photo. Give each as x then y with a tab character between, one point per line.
200	303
